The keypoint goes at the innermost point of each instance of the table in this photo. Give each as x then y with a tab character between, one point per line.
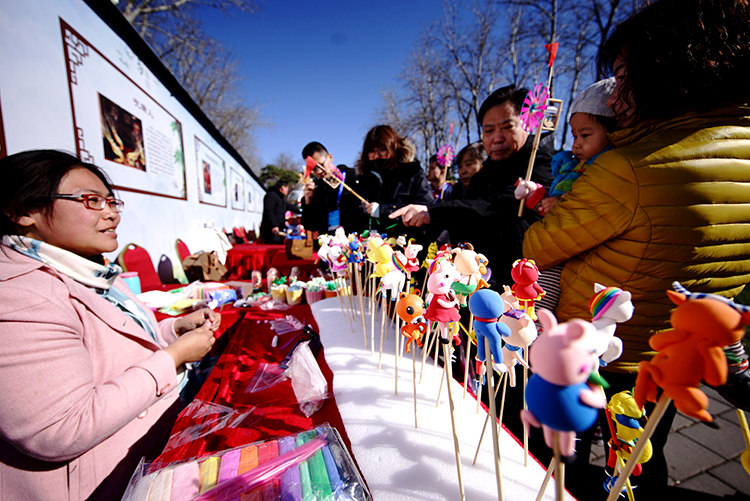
275	412
398	462
242	259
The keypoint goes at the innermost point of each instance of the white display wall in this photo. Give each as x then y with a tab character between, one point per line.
69	82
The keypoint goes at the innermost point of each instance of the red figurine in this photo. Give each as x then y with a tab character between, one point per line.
525	289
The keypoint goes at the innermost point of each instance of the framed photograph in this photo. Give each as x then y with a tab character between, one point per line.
212	175
119	126
237	191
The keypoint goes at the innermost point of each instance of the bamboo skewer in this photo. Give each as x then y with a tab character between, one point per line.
425	349
487	420
358	279
382	326
414	377
493	413
453	421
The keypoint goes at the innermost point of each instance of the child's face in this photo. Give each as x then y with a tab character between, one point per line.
589	136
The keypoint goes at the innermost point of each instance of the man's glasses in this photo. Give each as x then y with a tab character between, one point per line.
95	202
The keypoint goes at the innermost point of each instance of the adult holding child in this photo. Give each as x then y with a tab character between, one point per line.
671	200
487	217
88	379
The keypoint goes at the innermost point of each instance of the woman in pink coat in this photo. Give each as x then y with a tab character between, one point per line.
88	379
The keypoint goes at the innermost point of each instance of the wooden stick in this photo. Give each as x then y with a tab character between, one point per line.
358	278
486	421
414	379
347	301
559	469
479	391
341	303
525	407
493	424
382	325
373	312
532	158
438	335
468	353
620	467
659	410
446	368
396	354
426	349
467	361
547	476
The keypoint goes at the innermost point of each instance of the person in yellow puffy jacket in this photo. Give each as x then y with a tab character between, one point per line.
671	200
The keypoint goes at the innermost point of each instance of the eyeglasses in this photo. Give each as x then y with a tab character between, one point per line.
95	202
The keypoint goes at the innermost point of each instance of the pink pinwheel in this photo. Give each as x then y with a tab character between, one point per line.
445	155
534	105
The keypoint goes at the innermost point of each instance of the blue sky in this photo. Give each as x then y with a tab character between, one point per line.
316	68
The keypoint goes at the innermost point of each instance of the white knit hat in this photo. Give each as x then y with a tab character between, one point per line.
593	99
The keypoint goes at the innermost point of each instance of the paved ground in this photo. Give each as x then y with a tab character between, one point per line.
704	463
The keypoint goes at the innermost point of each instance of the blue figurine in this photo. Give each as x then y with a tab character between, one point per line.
487	307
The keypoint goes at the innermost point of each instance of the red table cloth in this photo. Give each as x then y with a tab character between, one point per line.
276	412
242	259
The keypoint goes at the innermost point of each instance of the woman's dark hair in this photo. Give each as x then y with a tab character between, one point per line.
384	136
31	179
682	55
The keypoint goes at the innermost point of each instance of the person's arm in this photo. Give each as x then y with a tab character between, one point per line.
50	406
419	194
600	206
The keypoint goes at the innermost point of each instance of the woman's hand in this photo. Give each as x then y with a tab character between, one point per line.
547	203
192	345
197	319
412	215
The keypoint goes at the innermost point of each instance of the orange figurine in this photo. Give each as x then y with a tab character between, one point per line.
409	309
702	324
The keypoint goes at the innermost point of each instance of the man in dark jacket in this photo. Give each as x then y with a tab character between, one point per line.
274	207
488	217
322	210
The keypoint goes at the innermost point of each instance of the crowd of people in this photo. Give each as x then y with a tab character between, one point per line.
653	191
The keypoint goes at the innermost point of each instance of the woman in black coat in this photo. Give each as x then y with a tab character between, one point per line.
389	178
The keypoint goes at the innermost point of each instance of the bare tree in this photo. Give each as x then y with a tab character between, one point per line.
207	71
471	53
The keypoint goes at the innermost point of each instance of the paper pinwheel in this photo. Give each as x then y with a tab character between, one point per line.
534	105
445	155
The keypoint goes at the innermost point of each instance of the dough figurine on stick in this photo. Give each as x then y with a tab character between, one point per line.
443	309
559	397
609	306
624	417
409	309
525	288
688	353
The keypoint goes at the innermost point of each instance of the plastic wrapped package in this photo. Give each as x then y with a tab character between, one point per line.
209	417
312	465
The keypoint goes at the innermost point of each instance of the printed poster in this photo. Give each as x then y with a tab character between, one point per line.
119	126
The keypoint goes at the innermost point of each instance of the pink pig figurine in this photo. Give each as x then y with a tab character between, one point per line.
559	398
